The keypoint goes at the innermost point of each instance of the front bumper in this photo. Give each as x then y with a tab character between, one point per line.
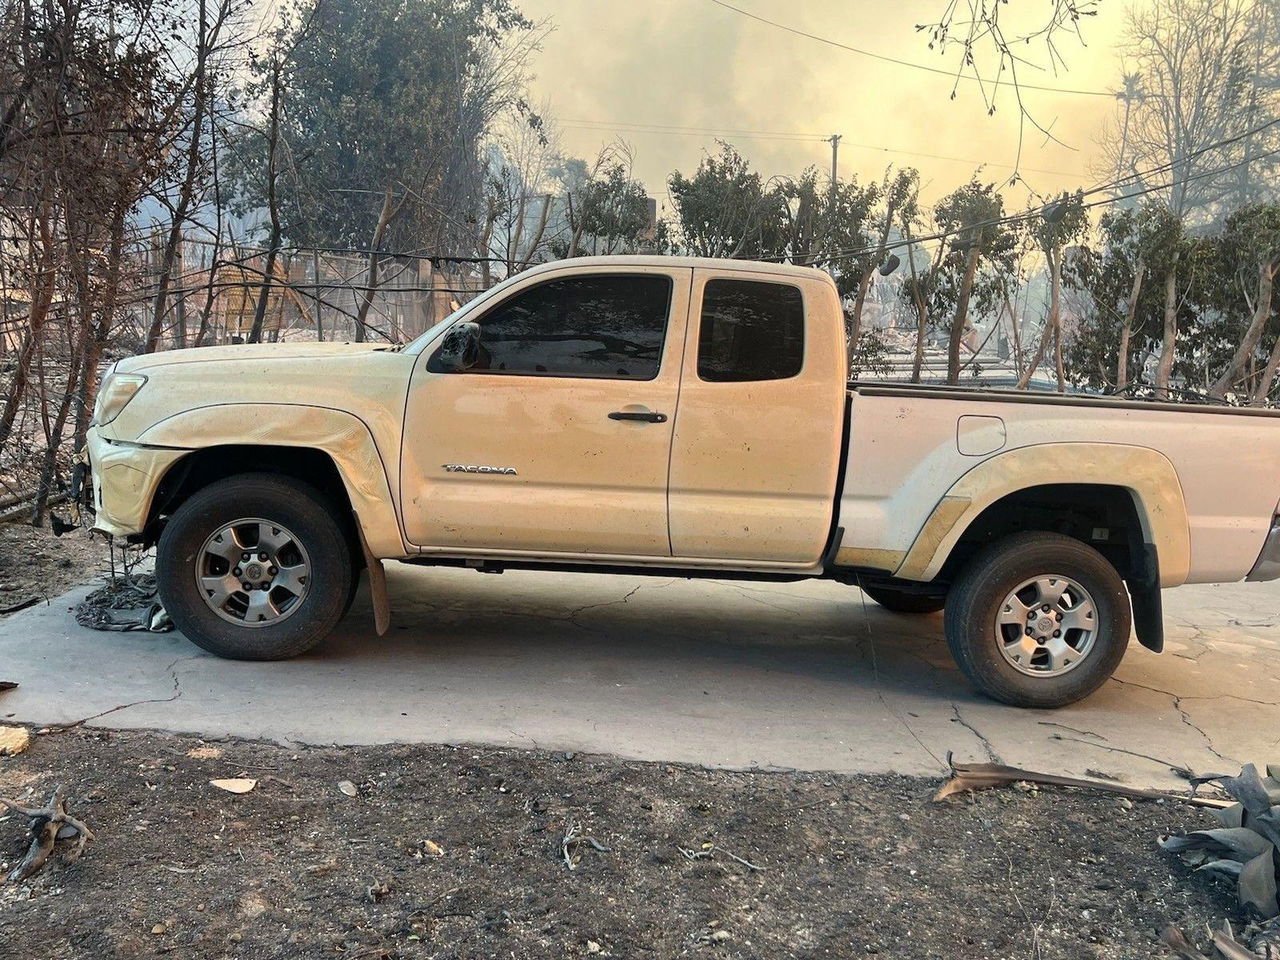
1268	565
125	478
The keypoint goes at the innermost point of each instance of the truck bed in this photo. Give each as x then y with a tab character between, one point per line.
912	445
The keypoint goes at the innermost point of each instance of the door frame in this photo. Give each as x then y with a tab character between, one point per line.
668	377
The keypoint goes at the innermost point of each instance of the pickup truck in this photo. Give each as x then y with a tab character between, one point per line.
673	416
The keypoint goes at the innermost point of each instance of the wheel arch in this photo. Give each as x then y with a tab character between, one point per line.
1130	484
330	449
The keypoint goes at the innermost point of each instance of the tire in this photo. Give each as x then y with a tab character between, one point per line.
301	535
1032	666
901	602
351	594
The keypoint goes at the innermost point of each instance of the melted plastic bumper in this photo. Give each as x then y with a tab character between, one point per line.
125	477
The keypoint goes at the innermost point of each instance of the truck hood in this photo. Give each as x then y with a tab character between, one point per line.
250	352
368	381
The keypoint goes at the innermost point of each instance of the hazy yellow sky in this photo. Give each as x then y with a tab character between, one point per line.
692	63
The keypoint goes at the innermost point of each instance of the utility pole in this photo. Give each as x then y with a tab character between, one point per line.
834	140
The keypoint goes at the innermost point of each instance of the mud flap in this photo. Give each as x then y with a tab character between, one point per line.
377	586
1148	608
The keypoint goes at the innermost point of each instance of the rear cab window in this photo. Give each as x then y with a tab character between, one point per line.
750	330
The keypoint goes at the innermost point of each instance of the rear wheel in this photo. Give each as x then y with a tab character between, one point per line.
255	567
1038	620
899	601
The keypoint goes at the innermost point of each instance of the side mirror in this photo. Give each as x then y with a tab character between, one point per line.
461	347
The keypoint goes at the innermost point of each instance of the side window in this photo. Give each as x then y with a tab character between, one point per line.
590	326
750	331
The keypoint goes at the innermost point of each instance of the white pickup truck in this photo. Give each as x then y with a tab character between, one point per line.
674	416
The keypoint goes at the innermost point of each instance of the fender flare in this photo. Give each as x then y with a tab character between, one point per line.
342	435
1147	474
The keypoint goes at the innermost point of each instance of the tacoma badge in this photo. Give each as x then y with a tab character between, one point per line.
472	468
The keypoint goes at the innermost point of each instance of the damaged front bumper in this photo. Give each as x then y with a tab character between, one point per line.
125	478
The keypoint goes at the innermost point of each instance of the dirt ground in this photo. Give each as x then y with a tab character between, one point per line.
37	566
454	851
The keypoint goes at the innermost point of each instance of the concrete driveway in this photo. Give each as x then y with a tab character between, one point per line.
724	674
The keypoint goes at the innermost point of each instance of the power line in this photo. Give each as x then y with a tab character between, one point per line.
622	126
849	254
1181	160
908	63
976	163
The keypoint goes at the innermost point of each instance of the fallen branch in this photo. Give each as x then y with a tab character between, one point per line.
572	840
48	825
985	776
1230	949
710	848
1184	772
1177	941
1224	941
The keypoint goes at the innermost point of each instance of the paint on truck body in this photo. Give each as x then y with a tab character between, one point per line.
752	478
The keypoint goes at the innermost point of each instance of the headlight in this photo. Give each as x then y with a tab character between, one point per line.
114	394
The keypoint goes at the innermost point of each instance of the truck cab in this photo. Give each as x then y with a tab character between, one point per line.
636	412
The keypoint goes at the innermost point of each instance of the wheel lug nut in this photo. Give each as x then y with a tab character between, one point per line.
1059	616
1045	608
244	556
262	556
247	585
1030	631
1057	633
272	571
236	571
266	584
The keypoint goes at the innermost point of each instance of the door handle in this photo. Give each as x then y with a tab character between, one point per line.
642	416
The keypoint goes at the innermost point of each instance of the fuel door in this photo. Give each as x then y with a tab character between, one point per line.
978	436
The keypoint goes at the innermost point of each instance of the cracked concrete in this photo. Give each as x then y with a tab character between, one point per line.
804	675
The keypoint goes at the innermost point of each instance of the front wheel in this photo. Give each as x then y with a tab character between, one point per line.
1038	620
255	567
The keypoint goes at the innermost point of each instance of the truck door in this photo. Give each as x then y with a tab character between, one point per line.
558	439
755	456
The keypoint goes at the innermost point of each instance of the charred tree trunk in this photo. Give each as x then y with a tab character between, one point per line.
273	207
1126	331
171	253
1168	346
1252	336
961	315
922	312
385	216
864	283
41	301
96	342
315	268
1265	382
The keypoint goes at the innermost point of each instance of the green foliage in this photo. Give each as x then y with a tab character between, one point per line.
726	209
607	211
973	217
1062	223
1149	238
971	214
378	94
